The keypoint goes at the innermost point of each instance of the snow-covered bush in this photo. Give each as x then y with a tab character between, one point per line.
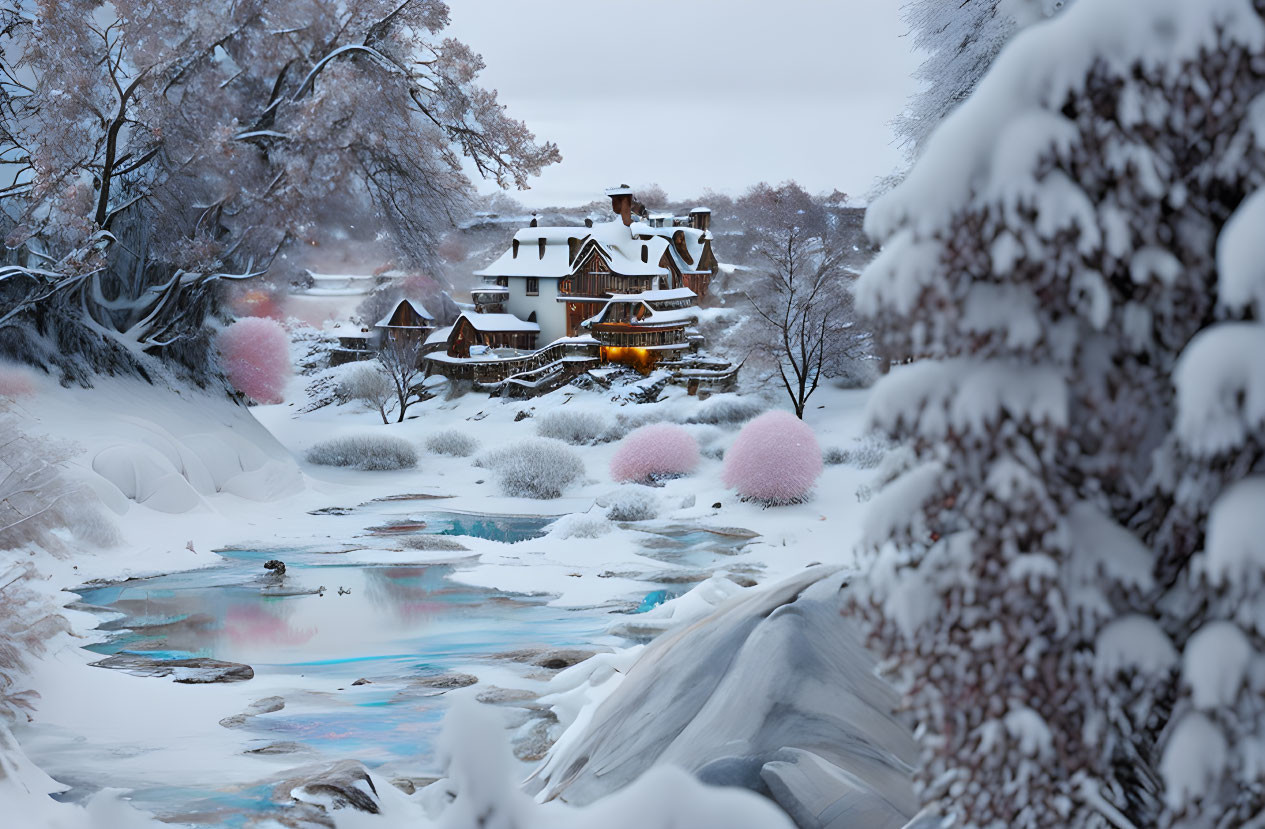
490	458
579	428
632	503
39	504
451	442
27	621
1044	266
368	452
534	468
774	461
15	381
627	421
867	454
727	409
255	353
655	453
579	525
369	384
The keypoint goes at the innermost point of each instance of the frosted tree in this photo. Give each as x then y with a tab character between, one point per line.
1213	478
801	319
961	38
401	360
1045	266
154	149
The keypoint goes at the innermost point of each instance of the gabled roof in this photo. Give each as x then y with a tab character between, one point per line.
417	307
615	243
439	335
694	239
493	323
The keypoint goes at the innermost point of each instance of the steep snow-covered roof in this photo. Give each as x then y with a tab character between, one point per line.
694	239
490	323
417	307
439	336
615	243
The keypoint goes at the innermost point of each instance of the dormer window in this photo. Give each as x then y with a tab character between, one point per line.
542	248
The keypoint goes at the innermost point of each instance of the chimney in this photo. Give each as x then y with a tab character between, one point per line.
701	218
534	221
622	202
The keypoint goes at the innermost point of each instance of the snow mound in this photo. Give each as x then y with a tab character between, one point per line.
480	789
632	503
146	476
772	690
169	448
580	525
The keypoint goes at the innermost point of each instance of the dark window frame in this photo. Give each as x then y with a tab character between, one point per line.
533	286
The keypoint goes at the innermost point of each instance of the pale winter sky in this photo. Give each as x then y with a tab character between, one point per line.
697	94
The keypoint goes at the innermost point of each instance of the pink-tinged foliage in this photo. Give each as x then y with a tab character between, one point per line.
255	353
775	460
15	382
661	450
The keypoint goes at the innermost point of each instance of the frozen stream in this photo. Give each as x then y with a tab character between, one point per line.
361	666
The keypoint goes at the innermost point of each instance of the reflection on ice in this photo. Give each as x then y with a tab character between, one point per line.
367	665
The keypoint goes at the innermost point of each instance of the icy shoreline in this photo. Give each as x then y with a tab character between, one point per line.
574	572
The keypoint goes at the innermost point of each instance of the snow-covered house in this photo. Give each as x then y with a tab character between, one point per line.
504	331
643	329
407	320
571	297
565	275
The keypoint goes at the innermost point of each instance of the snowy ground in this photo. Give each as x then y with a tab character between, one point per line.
99	728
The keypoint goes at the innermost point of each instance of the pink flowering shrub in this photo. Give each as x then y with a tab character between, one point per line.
255	353
15	382
775	460
661	450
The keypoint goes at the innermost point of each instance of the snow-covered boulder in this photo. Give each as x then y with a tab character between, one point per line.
771	692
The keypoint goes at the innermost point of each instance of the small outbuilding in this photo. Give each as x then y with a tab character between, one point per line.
407	320
491	331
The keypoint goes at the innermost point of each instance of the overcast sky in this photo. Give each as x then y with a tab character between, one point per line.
697	94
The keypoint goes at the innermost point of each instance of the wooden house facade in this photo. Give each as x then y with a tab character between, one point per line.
408	320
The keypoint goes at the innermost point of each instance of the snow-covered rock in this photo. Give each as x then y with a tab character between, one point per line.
771	692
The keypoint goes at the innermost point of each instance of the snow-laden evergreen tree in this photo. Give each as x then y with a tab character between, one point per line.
1046	264
1214	477
961	38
